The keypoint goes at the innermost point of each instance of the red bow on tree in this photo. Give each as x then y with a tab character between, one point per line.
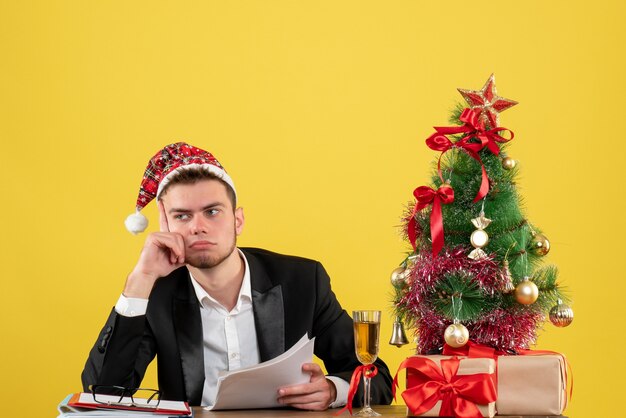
426	196
475	129
459	393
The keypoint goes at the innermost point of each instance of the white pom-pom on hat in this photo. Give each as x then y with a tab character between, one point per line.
136	223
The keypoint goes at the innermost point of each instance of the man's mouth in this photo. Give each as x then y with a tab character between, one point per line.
202	245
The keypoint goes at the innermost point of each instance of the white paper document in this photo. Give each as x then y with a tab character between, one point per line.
257	386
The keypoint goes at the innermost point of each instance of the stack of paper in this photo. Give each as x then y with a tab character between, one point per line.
257	386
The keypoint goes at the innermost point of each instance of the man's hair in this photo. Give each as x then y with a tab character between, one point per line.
194	175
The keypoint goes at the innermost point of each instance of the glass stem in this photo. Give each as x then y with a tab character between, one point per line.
366	391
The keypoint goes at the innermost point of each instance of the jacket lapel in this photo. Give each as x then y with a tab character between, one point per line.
188	328
269	313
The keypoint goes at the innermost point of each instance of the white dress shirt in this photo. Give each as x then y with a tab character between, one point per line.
229	337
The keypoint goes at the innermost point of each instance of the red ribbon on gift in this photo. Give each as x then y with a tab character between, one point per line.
472	349
474	128
368	370
426	196
459	393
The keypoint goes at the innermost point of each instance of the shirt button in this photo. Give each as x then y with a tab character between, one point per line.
132	313
233	355
228	318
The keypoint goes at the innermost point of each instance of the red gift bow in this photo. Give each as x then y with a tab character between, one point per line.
425	196
368	370
474	128
475	350
459	393
472	349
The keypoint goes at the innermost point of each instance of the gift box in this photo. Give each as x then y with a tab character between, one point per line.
450	383
531	385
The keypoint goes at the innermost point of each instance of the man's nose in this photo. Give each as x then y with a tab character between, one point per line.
199	225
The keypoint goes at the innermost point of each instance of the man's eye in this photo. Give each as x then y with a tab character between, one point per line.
181	217
212	212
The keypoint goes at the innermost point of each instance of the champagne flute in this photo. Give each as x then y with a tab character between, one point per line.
366	331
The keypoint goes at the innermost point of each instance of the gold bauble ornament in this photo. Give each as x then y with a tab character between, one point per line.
539	244
526	292
561	315
508	163
456	335
398	277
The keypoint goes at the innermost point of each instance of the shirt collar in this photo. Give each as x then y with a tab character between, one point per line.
245	292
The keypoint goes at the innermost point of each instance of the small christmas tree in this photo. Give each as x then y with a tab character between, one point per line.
476	266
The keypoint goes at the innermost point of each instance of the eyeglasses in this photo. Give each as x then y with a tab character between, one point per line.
146	399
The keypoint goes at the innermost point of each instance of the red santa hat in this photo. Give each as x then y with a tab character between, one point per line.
165	163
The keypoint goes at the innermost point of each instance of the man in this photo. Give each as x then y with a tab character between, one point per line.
201	305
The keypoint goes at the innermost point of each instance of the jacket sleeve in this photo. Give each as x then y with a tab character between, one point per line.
334	343
121	354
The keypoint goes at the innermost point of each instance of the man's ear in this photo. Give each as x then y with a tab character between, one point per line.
239	220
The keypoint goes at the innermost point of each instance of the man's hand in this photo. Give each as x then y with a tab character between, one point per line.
162	253
314	396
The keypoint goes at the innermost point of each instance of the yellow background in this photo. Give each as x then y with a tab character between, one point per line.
319	110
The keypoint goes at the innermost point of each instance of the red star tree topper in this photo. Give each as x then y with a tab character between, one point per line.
487	101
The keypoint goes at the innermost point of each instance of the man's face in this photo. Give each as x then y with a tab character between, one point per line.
203	214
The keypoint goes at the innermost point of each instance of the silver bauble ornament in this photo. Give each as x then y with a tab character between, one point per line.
561	315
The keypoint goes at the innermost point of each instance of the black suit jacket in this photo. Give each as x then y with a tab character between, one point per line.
291	296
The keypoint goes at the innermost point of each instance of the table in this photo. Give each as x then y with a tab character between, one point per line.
390	411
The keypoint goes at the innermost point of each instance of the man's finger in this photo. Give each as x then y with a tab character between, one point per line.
314	369
312	401
294	390
172	244
310	398
315	395
162	217
176	246
180	249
